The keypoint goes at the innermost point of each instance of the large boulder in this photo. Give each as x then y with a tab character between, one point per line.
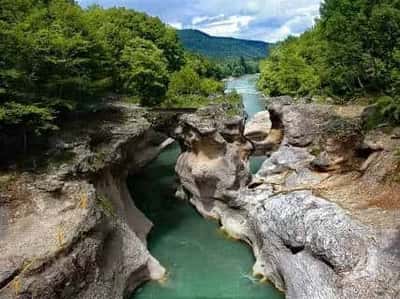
311	248
304	124
340	142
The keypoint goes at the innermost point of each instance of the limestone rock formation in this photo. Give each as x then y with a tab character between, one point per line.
304	124
311	248
321	214
71	229
214	164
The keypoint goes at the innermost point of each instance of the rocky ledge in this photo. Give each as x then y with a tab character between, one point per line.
322	212
69	228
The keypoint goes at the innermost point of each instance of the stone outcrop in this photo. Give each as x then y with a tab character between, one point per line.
313	214
311	248
305	124
70	229
321	214
214	164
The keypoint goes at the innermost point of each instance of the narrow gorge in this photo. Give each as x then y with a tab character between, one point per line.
199	149
200	261
320	214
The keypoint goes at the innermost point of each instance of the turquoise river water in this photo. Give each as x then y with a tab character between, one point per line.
201	262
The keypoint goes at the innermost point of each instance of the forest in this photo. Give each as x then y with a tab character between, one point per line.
58	59
352	53
233	57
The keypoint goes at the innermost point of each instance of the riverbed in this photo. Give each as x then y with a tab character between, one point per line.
201	262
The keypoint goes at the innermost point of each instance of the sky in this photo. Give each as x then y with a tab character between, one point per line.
266	20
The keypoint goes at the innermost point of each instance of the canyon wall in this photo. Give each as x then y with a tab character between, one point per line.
312	213
70	228
321	214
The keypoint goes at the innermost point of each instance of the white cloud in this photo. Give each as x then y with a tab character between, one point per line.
268	20
176	25
199	20
293	27
277	34
221	25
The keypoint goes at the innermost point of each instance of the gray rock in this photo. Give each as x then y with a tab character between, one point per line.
318	251
214	164
302	123
259	125
306	245
73	231
286	158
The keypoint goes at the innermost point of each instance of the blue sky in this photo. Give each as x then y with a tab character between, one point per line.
267	20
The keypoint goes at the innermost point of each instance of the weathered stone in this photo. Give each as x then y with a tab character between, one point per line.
340	142
73	230
304	124
286	158
307	245
259	126
214	164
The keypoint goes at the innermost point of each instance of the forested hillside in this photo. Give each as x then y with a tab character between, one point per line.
234	56
353	51
221	47
58	58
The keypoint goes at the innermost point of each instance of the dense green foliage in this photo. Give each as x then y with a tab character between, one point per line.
293	67
234	57
238	67
143	71
353	50
195	84
57	58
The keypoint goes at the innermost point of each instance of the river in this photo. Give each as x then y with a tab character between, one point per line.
200	261
246	86
253	102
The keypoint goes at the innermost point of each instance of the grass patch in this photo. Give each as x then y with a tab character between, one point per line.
342	129
199	101
106	205
131	100
6	180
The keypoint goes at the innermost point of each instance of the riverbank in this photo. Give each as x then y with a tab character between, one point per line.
69	227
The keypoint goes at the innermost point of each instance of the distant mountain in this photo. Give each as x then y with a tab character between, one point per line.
222	47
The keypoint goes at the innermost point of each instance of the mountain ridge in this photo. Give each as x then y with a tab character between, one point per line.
222	47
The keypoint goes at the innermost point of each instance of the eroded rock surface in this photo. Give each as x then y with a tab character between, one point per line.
316	214
214	165
70	229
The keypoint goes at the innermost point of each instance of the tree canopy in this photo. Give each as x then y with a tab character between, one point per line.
352	50
57	57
